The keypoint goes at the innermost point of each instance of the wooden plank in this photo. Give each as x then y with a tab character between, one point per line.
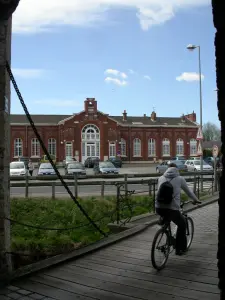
146	270
107	272
127	286
99	289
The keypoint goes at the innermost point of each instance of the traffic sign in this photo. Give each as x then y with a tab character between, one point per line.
215	151
199	151
199	134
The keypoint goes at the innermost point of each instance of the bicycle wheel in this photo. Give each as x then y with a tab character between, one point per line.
189	231
164	249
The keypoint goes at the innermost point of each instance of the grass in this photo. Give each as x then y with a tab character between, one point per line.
62	213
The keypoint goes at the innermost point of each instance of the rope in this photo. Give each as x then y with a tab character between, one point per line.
46	152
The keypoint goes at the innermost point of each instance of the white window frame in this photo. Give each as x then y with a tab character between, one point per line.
123	147
52	146
166	147
18	147
136	147
193	145
151	147
112	149
70	144
179	147
35	148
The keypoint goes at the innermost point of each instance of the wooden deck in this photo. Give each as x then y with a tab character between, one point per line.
123	271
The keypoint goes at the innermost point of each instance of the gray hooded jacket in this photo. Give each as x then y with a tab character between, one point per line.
178	183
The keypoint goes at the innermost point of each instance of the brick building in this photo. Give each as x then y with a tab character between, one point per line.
93	133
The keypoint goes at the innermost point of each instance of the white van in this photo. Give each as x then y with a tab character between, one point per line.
18	168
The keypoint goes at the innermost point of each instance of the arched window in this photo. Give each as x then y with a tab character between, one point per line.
52	146
18	147
137	147
180	147
123	147
166	147
193	147
112	149
90	132
151	147
35	148
90	137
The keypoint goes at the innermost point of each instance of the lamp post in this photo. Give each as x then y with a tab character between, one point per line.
191	47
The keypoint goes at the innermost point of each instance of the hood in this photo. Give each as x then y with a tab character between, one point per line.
171	173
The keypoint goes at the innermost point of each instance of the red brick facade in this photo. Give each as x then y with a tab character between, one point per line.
128	136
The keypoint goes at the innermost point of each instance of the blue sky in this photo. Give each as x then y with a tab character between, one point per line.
126	56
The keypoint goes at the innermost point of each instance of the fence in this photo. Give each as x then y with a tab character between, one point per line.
108	186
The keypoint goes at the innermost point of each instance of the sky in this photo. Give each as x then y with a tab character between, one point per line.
129	54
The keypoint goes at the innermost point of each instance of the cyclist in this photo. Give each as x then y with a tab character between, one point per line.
171	211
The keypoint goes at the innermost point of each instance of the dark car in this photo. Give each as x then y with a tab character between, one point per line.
91	161
105	167
117	161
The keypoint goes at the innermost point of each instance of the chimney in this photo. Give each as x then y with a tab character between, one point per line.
144	115
191	117
183	118
153	116
124	115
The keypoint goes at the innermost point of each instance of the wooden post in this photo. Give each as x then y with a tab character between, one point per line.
75	186
125	185
102	189
150	188
53	190
117	204
5	53
27	186
194	187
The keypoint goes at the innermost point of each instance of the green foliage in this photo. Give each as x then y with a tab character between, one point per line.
211	132
62	213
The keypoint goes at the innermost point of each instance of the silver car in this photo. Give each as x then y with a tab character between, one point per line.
105	167
77	168
194	165
161	168
46	169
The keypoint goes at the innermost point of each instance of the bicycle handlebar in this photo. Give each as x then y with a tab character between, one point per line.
190	201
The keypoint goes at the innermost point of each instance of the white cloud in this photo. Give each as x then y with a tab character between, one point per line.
58	103
191	76
28	73
116	81
147	77
116	73
42	15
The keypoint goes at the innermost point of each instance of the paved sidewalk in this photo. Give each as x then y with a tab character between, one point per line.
123	271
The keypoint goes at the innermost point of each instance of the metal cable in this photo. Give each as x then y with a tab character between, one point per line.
46	152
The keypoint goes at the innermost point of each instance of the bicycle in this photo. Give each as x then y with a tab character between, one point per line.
170	238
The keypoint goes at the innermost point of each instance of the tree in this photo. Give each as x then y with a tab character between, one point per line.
211	132
218	9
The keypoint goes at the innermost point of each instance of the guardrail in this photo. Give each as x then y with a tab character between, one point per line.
71	177
150	182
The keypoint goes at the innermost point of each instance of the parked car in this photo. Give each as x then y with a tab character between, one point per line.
18	168
44	159
194	165
210	161
25	160
117	161
161	168
68	160
75	167
46	169
178	158
105	167
91	161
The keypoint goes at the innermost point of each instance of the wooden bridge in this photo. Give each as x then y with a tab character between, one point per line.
123	271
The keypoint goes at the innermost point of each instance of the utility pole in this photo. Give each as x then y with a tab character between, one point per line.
7	7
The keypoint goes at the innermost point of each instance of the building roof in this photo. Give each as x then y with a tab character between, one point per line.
130	121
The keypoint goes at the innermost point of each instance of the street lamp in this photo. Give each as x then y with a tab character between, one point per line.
191	47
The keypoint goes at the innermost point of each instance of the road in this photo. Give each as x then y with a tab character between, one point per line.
84	191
